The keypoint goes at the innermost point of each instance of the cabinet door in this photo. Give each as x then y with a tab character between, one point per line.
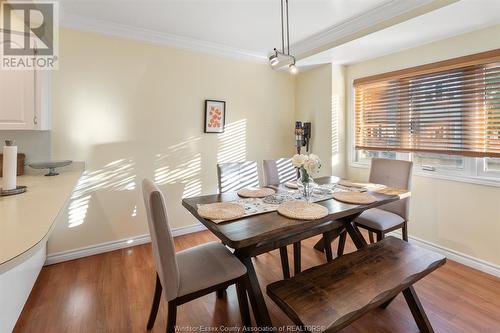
17	100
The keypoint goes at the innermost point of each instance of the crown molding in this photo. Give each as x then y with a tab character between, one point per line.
159	38
381	17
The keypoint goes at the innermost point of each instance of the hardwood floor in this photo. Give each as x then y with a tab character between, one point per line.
112	292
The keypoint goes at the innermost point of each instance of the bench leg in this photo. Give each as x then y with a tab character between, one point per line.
284	262
417	310
386	304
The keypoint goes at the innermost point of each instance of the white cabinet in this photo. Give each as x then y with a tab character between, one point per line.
24	100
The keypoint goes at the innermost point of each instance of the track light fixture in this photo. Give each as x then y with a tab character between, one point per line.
278	59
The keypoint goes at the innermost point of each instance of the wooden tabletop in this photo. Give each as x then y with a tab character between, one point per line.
267	227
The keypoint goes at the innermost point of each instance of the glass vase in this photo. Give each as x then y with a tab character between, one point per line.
305	184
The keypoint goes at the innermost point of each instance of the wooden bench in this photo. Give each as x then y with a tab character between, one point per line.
329	297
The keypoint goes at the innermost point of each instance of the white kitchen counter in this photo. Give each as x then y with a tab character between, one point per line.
26	221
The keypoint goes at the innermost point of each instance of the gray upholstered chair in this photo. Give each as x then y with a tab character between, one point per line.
278	171
233	176
392	216
179	273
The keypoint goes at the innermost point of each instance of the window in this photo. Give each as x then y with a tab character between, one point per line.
444	116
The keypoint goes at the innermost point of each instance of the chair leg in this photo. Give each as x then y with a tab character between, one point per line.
156	303
342	239
284	262
241	291
417	310
327	237
405	231
370	236
297	264
171	317
380	236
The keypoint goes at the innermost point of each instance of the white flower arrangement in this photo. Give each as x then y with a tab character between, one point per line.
310	163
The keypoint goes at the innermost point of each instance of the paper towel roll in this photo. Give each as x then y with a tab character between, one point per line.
9	166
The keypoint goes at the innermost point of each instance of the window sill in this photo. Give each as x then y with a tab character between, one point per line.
484	181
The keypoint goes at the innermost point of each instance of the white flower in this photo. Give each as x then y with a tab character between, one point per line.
315	158
312	164
299	160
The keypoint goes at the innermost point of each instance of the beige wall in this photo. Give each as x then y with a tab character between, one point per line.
319	99
133	110
459	216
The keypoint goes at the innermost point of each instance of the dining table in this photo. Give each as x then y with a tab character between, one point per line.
253	235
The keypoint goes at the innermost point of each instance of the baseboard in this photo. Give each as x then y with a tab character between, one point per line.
86	251
459	257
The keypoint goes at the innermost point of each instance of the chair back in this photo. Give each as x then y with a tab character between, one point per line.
161	239
278	171
237	175
393	173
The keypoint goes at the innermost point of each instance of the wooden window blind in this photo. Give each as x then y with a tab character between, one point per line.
449	107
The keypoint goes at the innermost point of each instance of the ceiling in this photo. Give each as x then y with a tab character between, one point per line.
455	19
251	28
249	25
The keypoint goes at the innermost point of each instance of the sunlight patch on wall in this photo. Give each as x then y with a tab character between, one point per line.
335	123
286	171
179	165
115	176
232	143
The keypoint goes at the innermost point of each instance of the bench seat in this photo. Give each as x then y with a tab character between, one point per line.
329	297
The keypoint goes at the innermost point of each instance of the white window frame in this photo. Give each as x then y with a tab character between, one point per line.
473	171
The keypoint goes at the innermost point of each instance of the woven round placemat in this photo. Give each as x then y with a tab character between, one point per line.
255	192
302	210
221	211
357	198
292	184
347	183
390	191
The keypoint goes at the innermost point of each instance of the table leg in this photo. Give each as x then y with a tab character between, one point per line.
257	301
297	260
327	242
320	245
356	235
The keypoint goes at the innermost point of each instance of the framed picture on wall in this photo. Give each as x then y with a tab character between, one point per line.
215	116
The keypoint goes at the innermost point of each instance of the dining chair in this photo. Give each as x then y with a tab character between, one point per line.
278	171
234	176
179	274
392	216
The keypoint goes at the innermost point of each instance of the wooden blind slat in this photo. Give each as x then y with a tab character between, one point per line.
452	109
